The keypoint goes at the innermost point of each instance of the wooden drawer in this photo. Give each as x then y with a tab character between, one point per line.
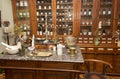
55	65
17	63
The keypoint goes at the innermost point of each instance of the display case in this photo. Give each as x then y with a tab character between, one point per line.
105	16
21	15
69	17
63	14
92	13
79	18
86	23
64	17
44	16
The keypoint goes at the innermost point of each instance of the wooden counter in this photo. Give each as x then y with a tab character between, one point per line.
53	67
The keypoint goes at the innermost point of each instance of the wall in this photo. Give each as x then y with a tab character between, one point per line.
6	15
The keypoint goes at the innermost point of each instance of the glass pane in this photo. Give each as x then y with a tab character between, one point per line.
86	17
23	15
44	17
64	17
105	15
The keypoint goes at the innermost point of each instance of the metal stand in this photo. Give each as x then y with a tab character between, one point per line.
46	31
7	35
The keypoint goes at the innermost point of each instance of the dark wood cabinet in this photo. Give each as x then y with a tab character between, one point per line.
22	69
79	18
108	54
21	15
22	74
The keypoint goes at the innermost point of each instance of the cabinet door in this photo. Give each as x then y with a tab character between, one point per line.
105	16
23	74
59	75
64	17
19	74
93	11
116	63
44	17
21	15
86	17
86	14
55	16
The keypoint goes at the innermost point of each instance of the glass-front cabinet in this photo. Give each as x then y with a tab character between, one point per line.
44	16
80	18
86	17
92	12
105	16
93	22
21	15
64	16
96	21
54	14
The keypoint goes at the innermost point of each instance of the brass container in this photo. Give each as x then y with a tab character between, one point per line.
72	51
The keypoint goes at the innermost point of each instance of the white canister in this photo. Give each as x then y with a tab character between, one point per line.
59	49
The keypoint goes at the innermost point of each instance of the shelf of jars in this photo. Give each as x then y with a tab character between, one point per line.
44	17
105	15
23	17
86	3
86	25
64	17
86	17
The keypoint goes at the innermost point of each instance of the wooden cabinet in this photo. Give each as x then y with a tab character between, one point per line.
21	15
21	74
79	18
38	69
110	54
57	15
75	17
86	12
92	12
64	16
44	16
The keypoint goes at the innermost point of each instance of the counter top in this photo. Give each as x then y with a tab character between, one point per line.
65	57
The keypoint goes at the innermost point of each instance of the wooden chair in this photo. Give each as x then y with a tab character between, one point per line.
96	69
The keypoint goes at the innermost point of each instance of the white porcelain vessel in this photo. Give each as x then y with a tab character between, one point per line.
13	50
70	40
